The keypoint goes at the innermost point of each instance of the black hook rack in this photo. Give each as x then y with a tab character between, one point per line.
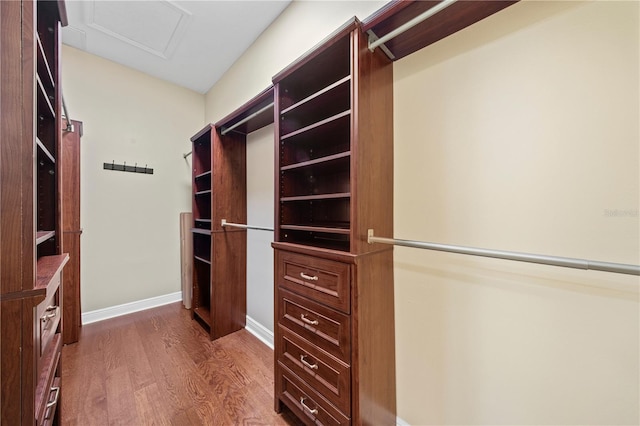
125	168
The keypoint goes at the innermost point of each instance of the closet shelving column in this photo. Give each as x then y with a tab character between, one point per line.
201	207
219	256
32	260
334	334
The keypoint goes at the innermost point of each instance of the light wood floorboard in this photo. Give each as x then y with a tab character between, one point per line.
158	367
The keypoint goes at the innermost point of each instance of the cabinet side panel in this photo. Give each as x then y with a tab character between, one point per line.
229	277
372	166
229	182
11	312
373	359
16	155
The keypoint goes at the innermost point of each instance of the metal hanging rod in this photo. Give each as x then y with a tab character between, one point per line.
567	262
410	24
239	225
186	155
226	130
69	127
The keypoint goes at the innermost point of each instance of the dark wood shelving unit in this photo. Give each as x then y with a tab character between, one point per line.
334	158
33	261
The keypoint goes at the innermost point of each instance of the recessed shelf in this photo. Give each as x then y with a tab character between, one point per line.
43	66
43	98
317	124
45	151
312	228
42	236
199	193
316	197
202	259
342	83
201	231
206	174
317	161
204	314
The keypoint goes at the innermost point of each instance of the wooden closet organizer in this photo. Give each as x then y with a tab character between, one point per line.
334	314
31	223
220	192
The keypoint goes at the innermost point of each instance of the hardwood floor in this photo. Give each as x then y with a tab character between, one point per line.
159	367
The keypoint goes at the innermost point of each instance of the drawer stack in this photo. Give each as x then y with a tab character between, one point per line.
313	350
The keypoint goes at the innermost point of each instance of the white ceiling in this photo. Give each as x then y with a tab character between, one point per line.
189	43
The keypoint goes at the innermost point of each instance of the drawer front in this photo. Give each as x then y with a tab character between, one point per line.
49	314
327	375
50	412
303	400
319	279
322	326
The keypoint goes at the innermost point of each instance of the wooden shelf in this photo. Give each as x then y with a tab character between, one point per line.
45	151
43	64
204	314
316	197
310	228
308	100
202	259
199	193
43	97
322	160
206	174
201	231
48	267
315	125
42	236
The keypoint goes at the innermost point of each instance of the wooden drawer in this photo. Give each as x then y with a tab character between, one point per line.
48	315
322	326
327	375
323	280
312	408
50	411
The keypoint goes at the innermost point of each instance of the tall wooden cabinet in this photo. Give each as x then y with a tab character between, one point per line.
219	256
71	230
30	227
334	305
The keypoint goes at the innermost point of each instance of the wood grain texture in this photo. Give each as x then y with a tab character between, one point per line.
70	164
159	367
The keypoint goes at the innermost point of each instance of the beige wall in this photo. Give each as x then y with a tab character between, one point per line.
131	242
520	133
300	27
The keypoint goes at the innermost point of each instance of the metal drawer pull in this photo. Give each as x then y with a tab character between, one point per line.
55	389
308	321
314	411
309	277
311	366
49	313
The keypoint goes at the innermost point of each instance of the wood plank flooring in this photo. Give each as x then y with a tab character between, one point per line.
158	367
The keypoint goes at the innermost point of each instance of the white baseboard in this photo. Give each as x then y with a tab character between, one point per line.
400	422
260	331
129	308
